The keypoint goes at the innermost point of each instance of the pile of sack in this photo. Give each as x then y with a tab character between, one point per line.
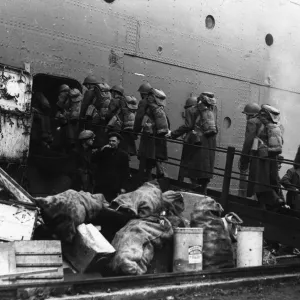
153	216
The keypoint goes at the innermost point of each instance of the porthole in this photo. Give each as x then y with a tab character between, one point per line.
269	39
210	22
227	123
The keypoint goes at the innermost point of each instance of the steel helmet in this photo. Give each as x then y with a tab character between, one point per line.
90	79
118	88
86	134
131	102
251	109
64	88
74	93
104	87
145	88
190	102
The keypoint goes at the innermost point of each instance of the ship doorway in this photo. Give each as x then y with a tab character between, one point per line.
49	86
45	88
49	163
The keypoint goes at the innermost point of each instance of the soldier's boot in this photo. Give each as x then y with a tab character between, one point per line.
148	174
160	172
204	186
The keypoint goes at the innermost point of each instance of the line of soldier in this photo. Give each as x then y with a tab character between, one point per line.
106	111
110	114
264	139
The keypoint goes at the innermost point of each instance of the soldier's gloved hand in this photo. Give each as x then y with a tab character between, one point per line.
168	135
135	136
242	168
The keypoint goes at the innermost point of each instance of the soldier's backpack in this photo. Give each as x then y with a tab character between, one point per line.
275	139
103	97
75	104
99	107
125	114
129	109
273	129
156	104
207	109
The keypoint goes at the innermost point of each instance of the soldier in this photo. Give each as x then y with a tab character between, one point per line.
60	137
152	121
41	136
291	181
90	82
187	149
73	113
112	172
82	177
97	112
120	116
250	110
201	129
63	93
264	140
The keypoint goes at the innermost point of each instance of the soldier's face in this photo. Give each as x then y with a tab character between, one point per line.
89	86
114	142
64	93
90	142
143	95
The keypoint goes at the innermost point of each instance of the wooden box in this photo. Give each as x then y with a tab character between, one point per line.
41	258
88	247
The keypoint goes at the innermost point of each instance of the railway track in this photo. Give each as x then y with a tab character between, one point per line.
154	286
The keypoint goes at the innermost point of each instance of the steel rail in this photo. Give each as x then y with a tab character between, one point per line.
96	281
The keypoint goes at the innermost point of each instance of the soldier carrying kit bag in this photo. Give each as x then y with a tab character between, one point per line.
125	114
99	107
269	138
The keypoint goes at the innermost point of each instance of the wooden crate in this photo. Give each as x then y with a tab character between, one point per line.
26	256
88	247
17	222
7	260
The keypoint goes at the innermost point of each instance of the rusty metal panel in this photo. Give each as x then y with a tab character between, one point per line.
15	120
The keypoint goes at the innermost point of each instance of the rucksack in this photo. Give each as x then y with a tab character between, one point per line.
103	97
128	112
125	114
207	122
275	138
271	128
100	103
156	104
75	104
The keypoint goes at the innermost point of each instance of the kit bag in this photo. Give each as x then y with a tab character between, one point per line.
207	120
217	245
156	111
135	244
